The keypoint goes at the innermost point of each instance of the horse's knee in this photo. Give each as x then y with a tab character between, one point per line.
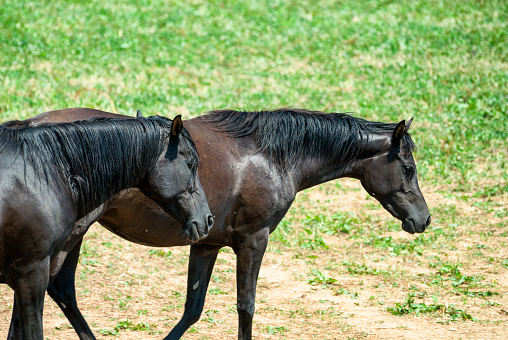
246	310
192	314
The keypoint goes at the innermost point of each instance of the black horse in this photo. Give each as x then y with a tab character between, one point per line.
55	180
252	166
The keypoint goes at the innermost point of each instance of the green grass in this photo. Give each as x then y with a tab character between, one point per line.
445	63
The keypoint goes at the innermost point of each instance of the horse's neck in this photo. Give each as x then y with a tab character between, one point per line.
313	171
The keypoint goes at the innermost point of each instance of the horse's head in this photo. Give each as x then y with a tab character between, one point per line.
389	175
174	183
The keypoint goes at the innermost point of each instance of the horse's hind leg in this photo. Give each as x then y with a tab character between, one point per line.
201	261
62	291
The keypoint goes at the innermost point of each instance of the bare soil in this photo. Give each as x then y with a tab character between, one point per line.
143	288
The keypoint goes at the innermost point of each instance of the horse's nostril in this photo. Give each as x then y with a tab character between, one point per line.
210	221
428	222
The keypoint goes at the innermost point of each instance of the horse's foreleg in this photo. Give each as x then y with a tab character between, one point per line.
249	256
62	291
29	286
201	261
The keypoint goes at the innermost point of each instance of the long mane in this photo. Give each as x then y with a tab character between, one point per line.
96	158
289	135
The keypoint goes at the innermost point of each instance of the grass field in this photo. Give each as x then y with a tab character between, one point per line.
445	63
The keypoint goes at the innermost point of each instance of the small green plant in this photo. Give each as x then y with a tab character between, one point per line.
160	253
493	190
409	306
276	330
320	278
127	325
340	291
216	291
360	269
88	255
124	304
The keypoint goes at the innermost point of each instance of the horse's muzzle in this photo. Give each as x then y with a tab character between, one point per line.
197	231
411	227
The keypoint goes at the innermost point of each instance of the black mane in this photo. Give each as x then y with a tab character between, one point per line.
288	135
97	158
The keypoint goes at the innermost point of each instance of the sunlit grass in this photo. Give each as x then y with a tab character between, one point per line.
443	63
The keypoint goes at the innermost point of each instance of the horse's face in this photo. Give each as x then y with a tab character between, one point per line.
390	177
174	184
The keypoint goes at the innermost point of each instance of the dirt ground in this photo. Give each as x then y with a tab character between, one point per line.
130	291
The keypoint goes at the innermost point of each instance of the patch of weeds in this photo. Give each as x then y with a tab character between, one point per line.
354	295
216	291
320	278
108	332
501	213
410	307
309	237
83	292
88	254
276	330
193	329
344	326
345	223
160	253
454	275
395	248
330	311
124	304
491	190
415	246
360	269
358	336
487	207
298	312
473	294
216	278
63	327
177	294
446	214
209	317
127	325
313	226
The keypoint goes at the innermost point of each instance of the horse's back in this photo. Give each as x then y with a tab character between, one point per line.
71	115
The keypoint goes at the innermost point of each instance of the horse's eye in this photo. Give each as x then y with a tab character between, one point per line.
409	170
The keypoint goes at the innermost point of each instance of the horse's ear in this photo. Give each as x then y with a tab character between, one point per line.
399	131
408	124
177	126
139	114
